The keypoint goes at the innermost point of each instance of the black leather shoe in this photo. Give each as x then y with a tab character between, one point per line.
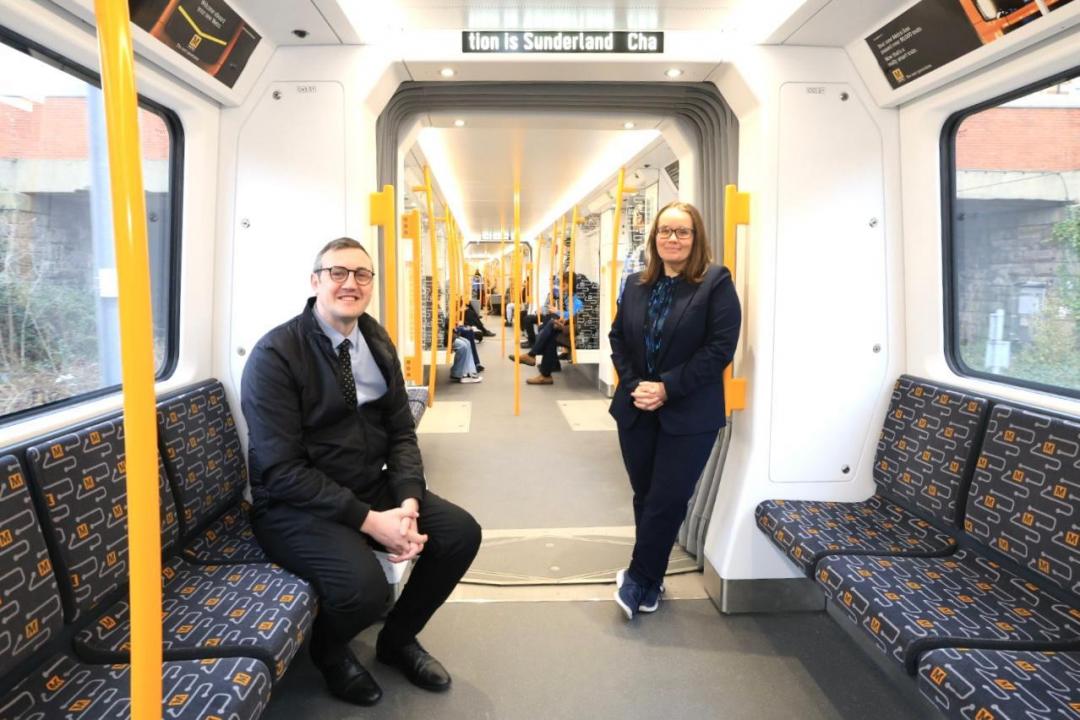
417	664
352	683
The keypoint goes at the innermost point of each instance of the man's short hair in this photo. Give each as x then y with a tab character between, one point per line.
341	243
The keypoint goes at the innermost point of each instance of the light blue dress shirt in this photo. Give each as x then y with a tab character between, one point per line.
370	383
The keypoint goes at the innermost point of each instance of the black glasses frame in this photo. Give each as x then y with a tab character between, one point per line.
365	278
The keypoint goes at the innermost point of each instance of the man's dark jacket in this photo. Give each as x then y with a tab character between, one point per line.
307	447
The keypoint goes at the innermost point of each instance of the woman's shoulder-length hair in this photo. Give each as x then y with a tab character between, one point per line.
700	257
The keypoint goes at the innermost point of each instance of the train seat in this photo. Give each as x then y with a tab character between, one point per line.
32	625
1016	582
418	396
967	683
205	465
250	610
923	456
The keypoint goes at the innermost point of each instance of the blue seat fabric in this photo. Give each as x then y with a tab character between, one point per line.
923	453
253	610
226	689
82	479
1002	684
418	397
908	604
205	465
30	609
1025	495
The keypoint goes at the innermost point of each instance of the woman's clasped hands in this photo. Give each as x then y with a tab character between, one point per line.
649	396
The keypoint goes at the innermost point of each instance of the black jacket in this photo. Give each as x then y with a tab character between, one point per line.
309	449
699	338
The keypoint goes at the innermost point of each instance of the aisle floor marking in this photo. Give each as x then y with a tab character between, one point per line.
446	417
587	415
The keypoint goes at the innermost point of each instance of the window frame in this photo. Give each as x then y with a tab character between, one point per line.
175	128
948	245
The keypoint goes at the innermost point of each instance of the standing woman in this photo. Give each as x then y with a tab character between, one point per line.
674	333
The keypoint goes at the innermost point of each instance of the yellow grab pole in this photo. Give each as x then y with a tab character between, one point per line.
137	354
736	212
551	262
536	274
570	299
451	295
382	214
515	268
434	287
616	231
502	289
411	229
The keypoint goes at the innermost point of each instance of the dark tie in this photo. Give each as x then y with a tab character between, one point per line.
345	376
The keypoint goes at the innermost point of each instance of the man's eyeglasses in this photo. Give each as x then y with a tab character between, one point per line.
683	233
340	274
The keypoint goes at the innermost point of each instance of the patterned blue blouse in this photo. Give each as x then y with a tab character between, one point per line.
656	313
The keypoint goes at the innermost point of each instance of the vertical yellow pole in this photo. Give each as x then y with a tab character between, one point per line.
736	212
451	287
562	262
502	289
570	299
411	228
434	287
515	268
382	211
551	256
536	274
615	232
137	354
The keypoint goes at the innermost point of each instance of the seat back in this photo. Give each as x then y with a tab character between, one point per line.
926	447
30	608
1025	494
201	452
82	479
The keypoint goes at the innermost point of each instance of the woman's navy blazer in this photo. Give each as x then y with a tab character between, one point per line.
699	338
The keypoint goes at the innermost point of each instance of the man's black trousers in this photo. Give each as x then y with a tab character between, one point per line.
351	585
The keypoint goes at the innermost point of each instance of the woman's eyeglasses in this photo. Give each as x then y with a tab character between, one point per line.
683	233
340	274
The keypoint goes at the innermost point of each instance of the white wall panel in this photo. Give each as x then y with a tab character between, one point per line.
830	284
290	200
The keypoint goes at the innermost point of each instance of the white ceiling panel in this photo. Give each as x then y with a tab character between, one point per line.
840	21
277	19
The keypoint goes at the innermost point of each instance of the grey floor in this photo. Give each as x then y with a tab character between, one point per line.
567	652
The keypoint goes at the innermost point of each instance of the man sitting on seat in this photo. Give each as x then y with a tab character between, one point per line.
554	333
336	474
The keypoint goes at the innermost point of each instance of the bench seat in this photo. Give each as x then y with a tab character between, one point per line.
226	540
909	605
254	610
808	530
63	687
1002	684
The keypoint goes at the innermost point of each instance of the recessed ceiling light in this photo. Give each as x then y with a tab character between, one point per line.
673	72
447	72
628	125
459	123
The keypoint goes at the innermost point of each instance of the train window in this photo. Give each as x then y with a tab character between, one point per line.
1013	238
59	330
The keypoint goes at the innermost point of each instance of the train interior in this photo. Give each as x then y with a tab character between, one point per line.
898	203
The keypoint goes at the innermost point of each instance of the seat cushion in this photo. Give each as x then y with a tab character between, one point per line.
227	540
259	611
1002	684
224	688
418	397
809	530
1025	495
909	605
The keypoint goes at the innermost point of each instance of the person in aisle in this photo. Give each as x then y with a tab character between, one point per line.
675	331
336	474
554	334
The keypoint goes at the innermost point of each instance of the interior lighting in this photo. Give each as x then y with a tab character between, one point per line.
673	72
628	125
447	72
459	123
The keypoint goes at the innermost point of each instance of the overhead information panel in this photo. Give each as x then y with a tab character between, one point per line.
209	33
560	41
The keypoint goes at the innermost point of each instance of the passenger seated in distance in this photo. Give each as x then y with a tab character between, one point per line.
336	474
555	332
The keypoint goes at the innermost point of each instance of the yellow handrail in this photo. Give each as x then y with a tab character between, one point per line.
433	371
381	206
410	228
502	289
137	353
615	232
515	268
451	287
736	212
570	291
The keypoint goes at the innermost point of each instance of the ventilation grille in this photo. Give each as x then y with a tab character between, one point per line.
673	172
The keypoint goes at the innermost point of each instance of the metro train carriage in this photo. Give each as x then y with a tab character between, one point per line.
526	359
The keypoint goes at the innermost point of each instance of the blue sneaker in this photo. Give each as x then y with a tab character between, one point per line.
628	595
650	599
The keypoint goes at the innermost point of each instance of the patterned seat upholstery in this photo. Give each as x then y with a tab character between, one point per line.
253	610
30	610
82	480
908	604
227	689
206	468
1002	684
418	396
923	454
